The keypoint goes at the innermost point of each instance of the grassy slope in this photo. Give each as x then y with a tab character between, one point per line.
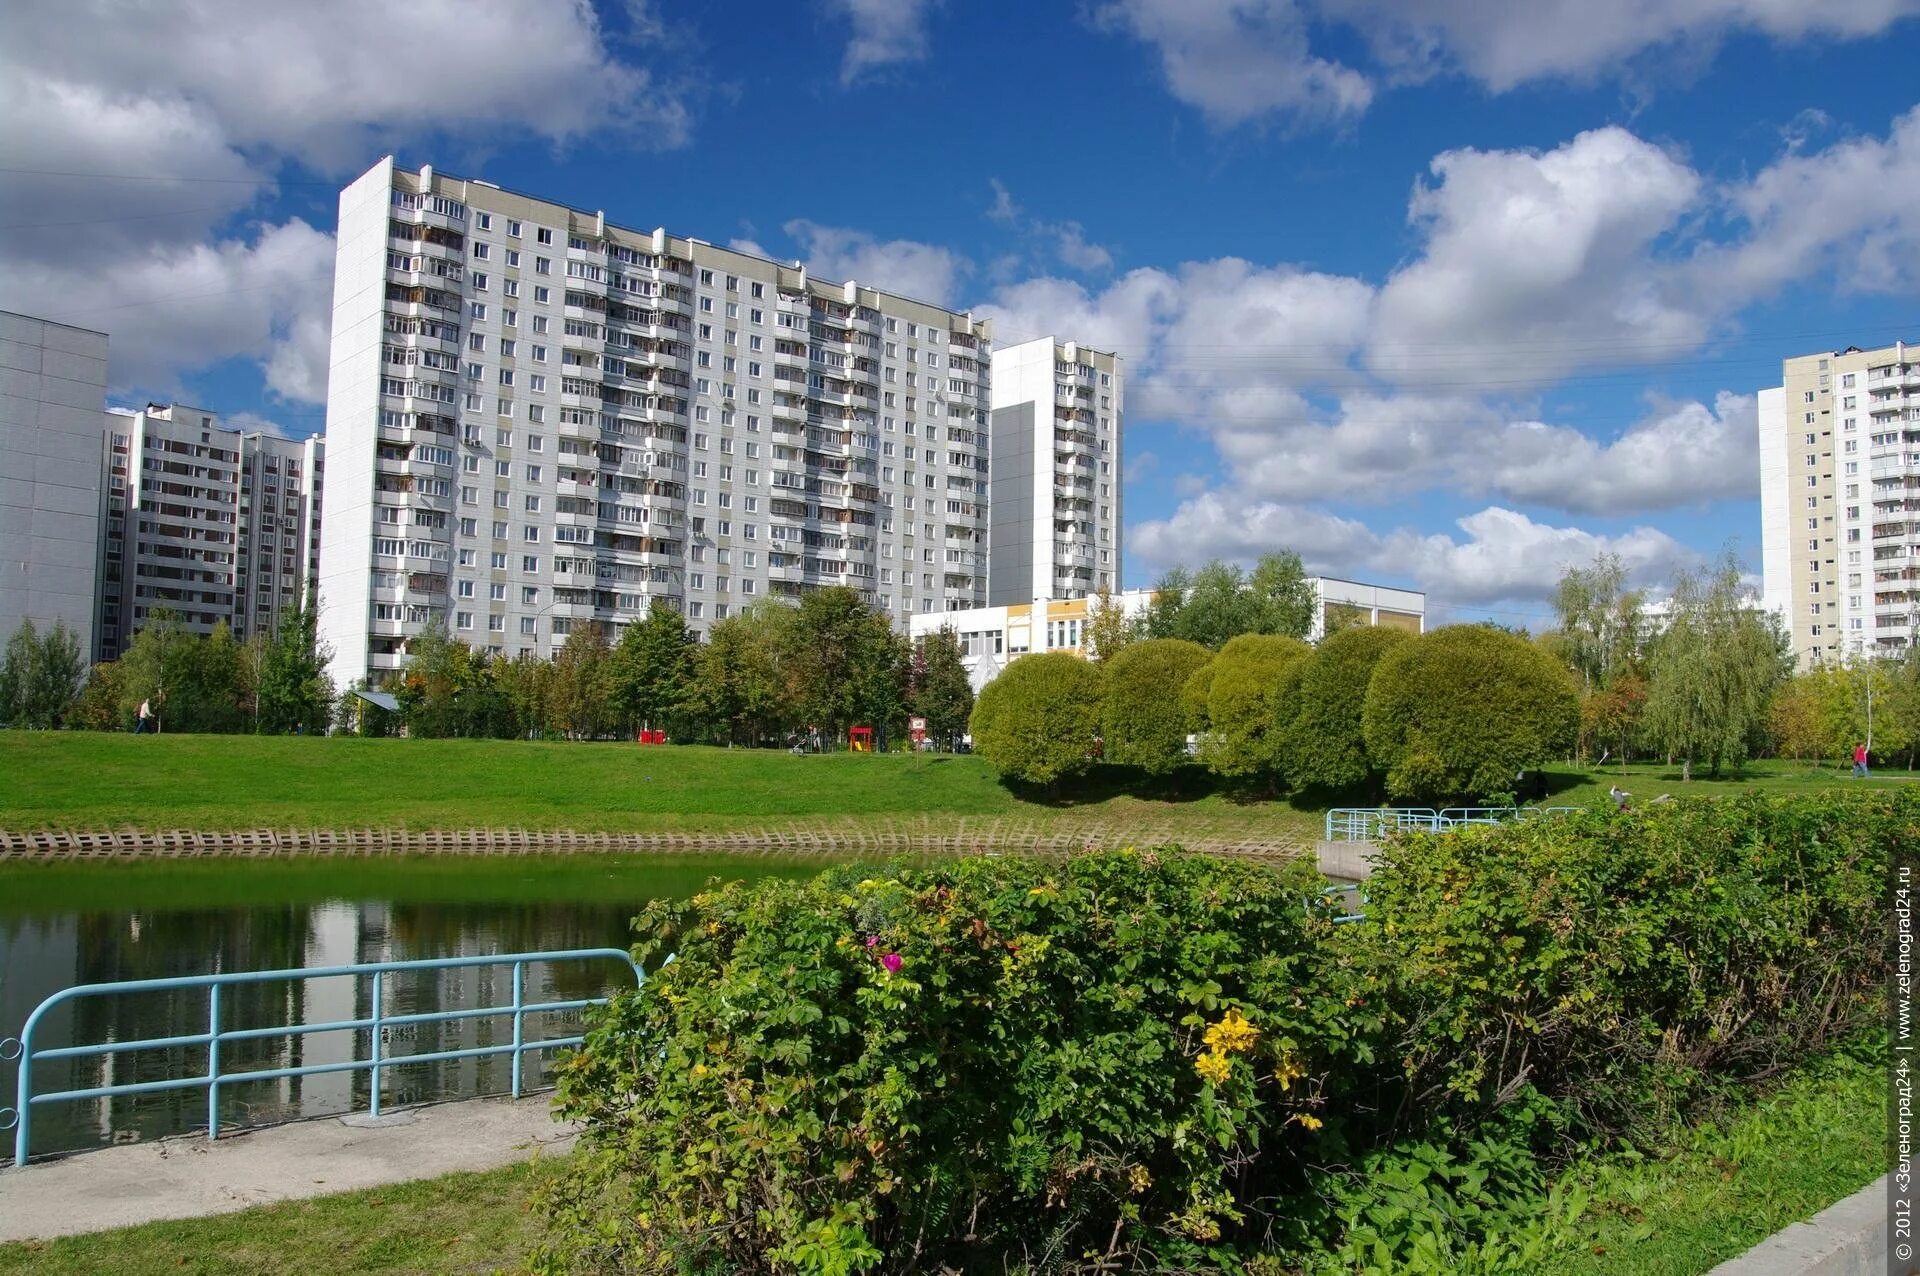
1727	1187
1721	1191
82	780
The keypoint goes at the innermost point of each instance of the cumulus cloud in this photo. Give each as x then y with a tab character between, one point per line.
925	272
1506	43
1500	555
1536	263
884	33
1241	60
142	137
1249	60
1064	242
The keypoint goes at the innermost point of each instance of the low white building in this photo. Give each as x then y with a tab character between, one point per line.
990	637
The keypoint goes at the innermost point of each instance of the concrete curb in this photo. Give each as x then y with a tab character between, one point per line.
1847	1239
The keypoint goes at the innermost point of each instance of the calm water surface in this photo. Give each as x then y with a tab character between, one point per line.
67	925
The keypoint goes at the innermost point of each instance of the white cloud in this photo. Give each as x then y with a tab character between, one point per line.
1506	43
174	310
328	82
1535	264
1003	209
885	33
1241	60
1852	210
177	120
1064	241
1501	557
925	272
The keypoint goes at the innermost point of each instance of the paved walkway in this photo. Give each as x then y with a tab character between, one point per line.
190	1177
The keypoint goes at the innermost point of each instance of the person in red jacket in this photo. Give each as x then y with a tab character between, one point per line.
1860	762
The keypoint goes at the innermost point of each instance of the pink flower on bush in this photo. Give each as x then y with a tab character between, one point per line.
873	941
892	962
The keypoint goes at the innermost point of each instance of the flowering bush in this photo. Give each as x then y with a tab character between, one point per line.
1160	1061
954	1064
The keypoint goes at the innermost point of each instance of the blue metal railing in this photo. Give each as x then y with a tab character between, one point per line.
378	1061
1370	824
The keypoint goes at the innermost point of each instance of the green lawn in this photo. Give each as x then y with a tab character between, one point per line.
1677	1212
1723	1189
458	1223
100	781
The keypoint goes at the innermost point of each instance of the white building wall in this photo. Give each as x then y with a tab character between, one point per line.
1775	531
1058	425
353	419
52	389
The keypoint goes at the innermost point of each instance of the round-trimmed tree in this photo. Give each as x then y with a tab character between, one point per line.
1037	721
1460	711
1144	722
1249	676
1322	741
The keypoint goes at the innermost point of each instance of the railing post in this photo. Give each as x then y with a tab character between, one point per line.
213	1061
519	1016
378	1053
23	1094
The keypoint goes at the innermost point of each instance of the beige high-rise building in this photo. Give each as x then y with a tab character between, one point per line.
539	420
1840	501
210	523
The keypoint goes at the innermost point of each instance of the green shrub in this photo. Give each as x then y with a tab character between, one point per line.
1625	963
1248	679
951	1065
1163	1062
1461	711
1037	721
1322	741
1142	722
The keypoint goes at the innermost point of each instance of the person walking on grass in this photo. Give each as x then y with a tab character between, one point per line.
1860	771
143	722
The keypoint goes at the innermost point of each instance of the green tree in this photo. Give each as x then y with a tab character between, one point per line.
161	667
942	692
844	662
1460	712
98	706
1037	721
1323	743
740	692
40	676
1249	676
221	685
579	703
1220	601
651	669
1904	694
1109	628
1712	673
1600	621
1143	722
294	692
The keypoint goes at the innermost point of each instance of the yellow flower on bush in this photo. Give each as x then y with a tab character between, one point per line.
1233	1034
1214	1066
1289	1071
1306	1122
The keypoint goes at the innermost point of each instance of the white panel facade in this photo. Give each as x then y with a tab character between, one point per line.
52	389
1775	534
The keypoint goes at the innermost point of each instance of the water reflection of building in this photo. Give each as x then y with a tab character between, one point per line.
43	955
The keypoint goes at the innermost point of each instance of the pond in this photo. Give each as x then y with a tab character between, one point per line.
62	925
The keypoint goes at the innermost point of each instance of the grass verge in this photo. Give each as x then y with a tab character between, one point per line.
457	1223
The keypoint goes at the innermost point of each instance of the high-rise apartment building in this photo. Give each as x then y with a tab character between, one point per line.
210	523
537	419
53	385
1840	501
1054	492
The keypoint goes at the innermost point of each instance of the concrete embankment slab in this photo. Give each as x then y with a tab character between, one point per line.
1847	1239
191	1177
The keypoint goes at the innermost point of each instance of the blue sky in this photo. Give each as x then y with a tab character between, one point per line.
1446	293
